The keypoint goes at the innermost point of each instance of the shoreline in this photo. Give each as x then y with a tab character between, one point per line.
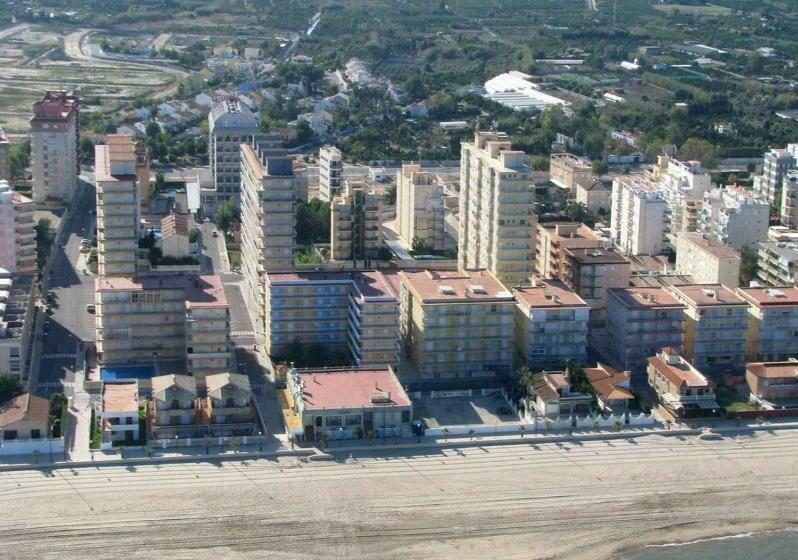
681	535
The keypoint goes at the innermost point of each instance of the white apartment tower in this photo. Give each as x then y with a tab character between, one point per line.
55	136
777	162
230	124
640	220
497	199
733	217
5	148
683	185
268	192
17	236
356	216
789	200
420	210
331	166
117	206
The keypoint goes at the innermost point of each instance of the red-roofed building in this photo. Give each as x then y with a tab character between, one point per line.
681	388
773	385
613	393
348	403
55	137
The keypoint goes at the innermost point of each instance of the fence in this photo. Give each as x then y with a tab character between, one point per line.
28	446
202	442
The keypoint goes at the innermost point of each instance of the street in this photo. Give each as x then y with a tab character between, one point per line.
70	325
521	501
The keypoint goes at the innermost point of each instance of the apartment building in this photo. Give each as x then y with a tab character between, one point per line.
268	193
767	187
230	124
178	322
733	217
16	323
553	394
777	264
347	312
596	196
229	403
175	232
118	208
789	200
590	272
683	184
551	324
715	327
331	165
349	403
706	260
773	385
456	324
679	385
118	413
567	171
5	164
55	137
640	322
421	210
356	216
146	188
640	220
497	199
772	323
551	241
17	234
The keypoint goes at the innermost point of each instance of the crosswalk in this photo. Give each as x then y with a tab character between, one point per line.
59	356
55	384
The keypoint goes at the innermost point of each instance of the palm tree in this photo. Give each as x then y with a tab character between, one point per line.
618	425
234	445
596	424
446	435
760	420
547	425
149	451
471	434
35	454
668	423
122	450
522	429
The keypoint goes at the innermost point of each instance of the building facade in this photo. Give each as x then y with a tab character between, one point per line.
776	164
679	385
356	216
789	200
421	209
456	324
497	219
5	164
352	314
773	385
733	217
331	166
551	325
772	323
567	171
551	241
683	184
640	322
715	327
640	219
706	260
16	322
55	137
17	233
777	264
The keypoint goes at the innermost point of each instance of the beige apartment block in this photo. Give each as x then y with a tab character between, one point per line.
55	137
176	322
5	165
553	238
772	323
349	313
706	260
331	165
596	196
497	200
567	171
356	217
715	327
683	184
590	272
17	236
268	194
456	324
734	217
421	210
551	324
118	208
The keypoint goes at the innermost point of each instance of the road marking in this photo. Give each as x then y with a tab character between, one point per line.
58	356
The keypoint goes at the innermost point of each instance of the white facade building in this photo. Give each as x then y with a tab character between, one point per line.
733	217
17	236
331	166
777	162
640	219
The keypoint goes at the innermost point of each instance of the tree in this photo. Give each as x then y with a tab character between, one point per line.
160	181
10	387
153	129
748	265
312	222
420	246
599	167
19	159
446	434
86	149
699	150
225	216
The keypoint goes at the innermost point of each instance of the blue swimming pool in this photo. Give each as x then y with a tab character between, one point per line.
114	373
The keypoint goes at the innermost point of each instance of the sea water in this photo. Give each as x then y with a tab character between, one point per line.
773	545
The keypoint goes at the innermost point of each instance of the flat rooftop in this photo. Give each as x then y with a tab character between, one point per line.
353	388
548	293
771	297
774	370
595	255
369	283
447	286
709	295
120	397
717	250
199	291
645	297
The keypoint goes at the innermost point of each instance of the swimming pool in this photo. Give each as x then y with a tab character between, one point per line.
114	373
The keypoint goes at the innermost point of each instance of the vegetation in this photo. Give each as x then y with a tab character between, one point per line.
315	355
226	215
312	222
10	387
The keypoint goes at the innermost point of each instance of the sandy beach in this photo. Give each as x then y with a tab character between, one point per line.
526	501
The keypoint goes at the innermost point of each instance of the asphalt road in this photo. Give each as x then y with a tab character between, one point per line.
522	501
71	326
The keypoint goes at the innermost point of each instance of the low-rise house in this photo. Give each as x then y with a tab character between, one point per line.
680	387
119	415
595	195
773	385
172	411
553	395
24	418
612	388
230	399
347	403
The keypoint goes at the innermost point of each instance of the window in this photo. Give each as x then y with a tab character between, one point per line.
175	404
333	422
353	420
10	434
35	434
405	416
230	403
